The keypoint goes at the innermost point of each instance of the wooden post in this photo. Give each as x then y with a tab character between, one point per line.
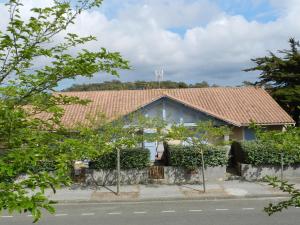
118	171
203	175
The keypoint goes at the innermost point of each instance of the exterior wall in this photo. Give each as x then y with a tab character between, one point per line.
249	133
237	134
172	175
175	112
251	173
108	177
176	175
245	133
275	127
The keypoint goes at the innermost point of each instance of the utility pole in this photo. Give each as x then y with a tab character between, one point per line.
118	171
159	76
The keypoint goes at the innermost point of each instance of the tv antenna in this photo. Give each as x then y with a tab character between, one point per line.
159	76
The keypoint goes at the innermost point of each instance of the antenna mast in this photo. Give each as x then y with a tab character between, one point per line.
159	76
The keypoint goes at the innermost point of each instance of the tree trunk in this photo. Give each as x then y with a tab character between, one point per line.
118	171
203	169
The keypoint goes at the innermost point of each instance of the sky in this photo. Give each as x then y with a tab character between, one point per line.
191	40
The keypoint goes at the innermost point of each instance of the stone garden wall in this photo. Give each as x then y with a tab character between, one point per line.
251	173
177	175
172	175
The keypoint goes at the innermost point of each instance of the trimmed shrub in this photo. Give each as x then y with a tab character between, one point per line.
263	153
43	166
137	158
190	158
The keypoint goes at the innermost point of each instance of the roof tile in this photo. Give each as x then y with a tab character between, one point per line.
239	106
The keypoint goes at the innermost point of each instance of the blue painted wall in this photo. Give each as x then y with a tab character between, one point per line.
175	112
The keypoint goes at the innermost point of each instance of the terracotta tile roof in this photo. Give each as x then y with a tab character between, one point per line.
237	106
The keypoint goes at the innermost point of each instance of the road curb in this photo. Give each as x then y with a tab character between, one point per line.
204	198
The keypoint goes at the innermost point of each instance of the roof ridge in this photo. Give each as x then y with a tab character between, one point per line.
161	89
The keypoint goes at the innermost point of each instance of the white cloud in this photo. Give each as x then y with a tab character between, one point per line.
214	46
169	13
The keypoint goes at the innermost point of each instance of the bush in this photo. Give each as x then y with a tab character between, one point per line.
137	158
190	158
265	153
42	166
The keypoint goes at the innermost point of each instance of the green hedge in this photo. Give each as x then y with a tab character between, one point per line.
137	158
43	166
262	153
190	158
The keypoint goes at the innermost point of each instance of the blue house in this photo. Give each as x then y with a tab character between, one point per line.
236	107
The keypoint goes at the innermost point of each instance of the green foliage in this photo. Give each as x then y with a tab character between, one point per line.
137	158
265	153
197	138
27	142
269	146
43	166
136	85
45	163
267	150
189	157
204	132
281	76
288	140
293	201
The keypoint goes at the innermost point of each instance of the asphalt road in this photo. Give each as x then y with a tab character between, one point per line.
210	212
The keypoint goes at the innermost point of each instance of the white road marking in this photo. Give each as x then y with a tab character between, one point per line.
29	215
168	211
140	212
61	214
247	208
195	210
222	209
87	214
114	213
6	216
174	201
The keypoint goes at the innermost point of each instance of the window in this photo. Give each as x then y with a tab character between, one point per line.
249	134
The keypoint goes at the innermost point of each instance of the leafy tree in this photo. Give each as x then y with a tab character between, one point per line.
286	140
293	201
287	143
136	85
281	77
201	85
27	142
247	83
204	133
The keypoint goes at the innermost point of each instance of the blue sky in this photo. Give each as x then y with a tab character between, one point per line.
192	40
261	11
